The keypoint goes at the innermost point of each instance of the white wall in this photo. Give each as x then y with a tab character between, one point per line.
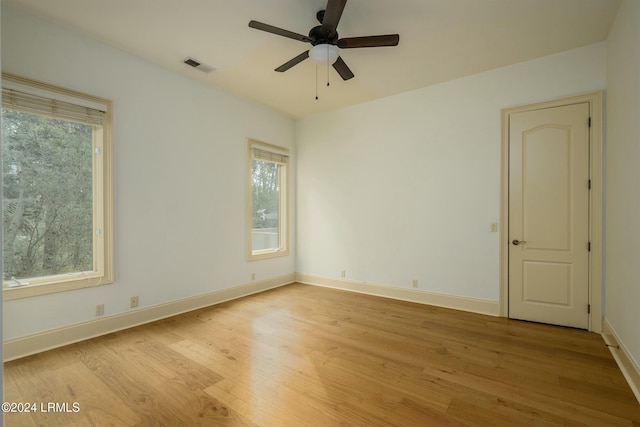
180	175
622	277
406	187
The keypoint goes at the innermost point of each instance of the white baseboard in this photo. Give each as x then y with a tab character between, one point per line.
491	308
621	354
37	343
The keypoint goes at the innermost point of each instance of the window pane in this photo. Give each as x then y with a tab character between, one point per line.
265	197
47	201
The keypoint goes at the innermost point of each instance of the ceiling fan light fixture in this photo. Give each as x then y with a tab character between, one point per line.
324	54
325	40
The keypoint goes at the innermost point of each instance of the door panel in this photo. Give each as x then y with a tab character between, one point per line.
549	215
546	190
547	282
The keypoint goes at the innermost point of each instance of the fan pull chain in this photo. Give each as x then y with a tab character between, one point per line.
316	82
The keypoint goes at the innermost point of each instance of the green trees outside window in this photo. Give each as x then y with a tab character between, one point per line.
266	203
47	196
267	220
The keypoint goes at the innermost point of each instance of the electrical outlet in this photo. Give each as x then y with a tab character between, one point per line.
99	309
253	276
134	302
343	273
415	283
493	227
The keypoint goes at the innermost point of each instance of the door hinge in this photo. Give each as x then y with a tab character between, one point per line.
589	246
589	184
589	121
588	308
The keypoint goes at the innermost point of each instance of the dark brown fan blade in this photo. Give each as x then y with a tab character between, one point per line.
295	61
332	15
342	69
279	31
369	41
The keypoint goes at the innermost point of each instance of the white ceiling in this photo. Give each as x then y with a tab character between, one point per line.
440	40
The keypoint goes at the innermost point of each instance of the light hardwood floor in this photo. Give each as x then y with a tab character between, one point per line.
308	356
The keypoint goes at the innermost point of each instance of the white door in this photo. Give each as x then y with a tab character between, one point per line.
549	215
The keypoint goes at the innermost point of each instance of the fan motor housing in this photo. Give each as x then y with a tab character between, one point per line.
318	37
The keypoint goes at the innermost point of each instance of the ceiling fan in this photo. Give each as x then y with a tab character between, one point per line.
325	41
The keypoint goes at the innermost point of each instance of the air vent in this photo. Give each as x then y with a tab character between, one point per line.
198	65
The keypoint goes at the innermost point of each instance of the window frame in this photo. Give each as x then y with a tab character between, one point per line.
283	209
103	248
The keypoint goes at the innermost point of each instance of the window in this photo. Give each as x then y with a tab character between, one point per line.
56	211
267	219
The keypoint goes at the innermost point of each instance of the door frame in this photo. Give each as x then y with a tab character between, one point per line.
594	99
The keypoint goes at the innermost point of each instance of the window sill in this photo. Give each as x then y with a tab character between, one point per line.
266	254
53	284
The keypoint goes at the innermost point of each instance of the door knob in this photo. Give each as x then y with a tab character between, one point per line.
517	242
